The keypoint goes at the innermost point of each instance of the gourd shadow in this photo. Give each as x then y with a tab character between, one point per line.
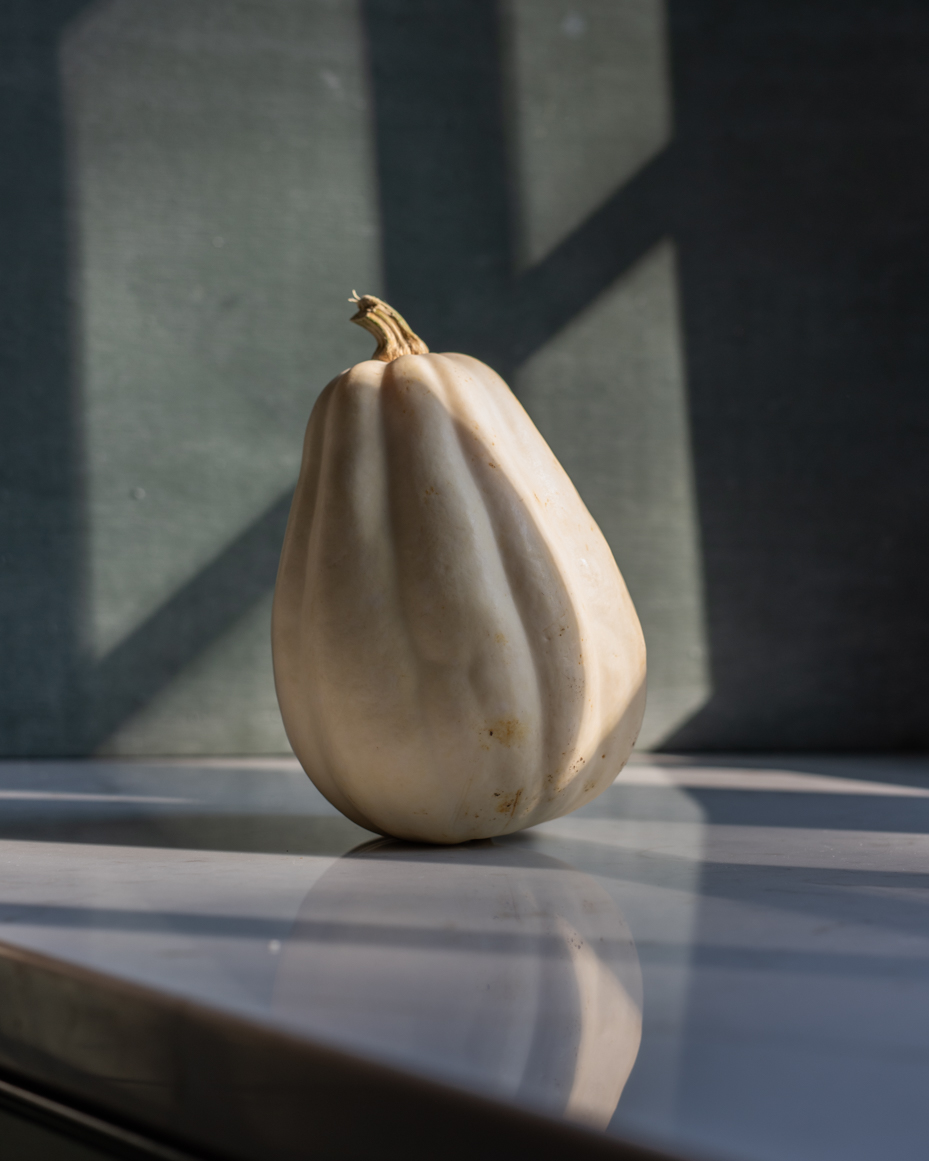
513	974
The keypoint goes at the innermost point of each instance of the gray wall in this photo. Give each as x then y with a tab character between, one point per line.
691	235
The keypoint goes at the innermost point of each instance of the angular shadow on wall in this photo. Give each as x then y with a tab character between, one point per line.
429	151
442	167
195	616
447	209
449	253
801	187
802	237
54	700
795	191
40	489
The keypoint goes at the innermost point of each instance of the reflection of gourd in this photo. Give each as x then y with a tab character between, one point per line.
455	651
492	966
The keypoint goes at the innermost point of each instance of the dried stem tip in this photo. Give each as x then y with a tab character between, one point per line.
394	337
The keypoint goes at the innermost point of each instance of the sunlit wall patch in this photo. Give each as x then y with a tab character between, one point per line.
589	103
222	184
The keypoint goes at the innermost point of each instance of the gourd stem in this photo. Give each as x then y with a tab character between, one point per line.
394	337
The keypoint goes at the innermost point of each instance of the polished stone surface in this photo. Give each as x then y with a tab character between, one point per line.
767	917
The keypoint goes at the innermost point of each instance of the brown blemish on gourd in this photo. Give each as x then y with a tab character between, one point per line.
500	639
508	805
506	731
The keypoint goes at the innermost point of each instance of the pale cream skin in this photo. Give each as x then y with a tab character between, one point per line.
455	651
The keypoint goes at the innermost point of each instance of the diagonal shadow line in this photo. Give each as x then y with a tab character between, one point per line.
543	300
605	246
192	619
505	323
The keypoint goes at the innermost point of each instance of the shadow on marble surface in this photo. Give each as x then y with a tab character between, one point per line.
127	919
789	810
259	833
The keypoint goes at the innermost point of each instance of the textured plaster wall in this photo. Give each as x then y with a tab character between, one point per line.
692	235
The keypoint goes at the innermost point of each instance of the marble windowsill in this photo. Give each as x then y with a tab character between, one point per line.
209	950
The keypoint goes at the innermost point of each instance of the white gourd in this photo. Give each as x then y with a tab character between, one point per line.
456	654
